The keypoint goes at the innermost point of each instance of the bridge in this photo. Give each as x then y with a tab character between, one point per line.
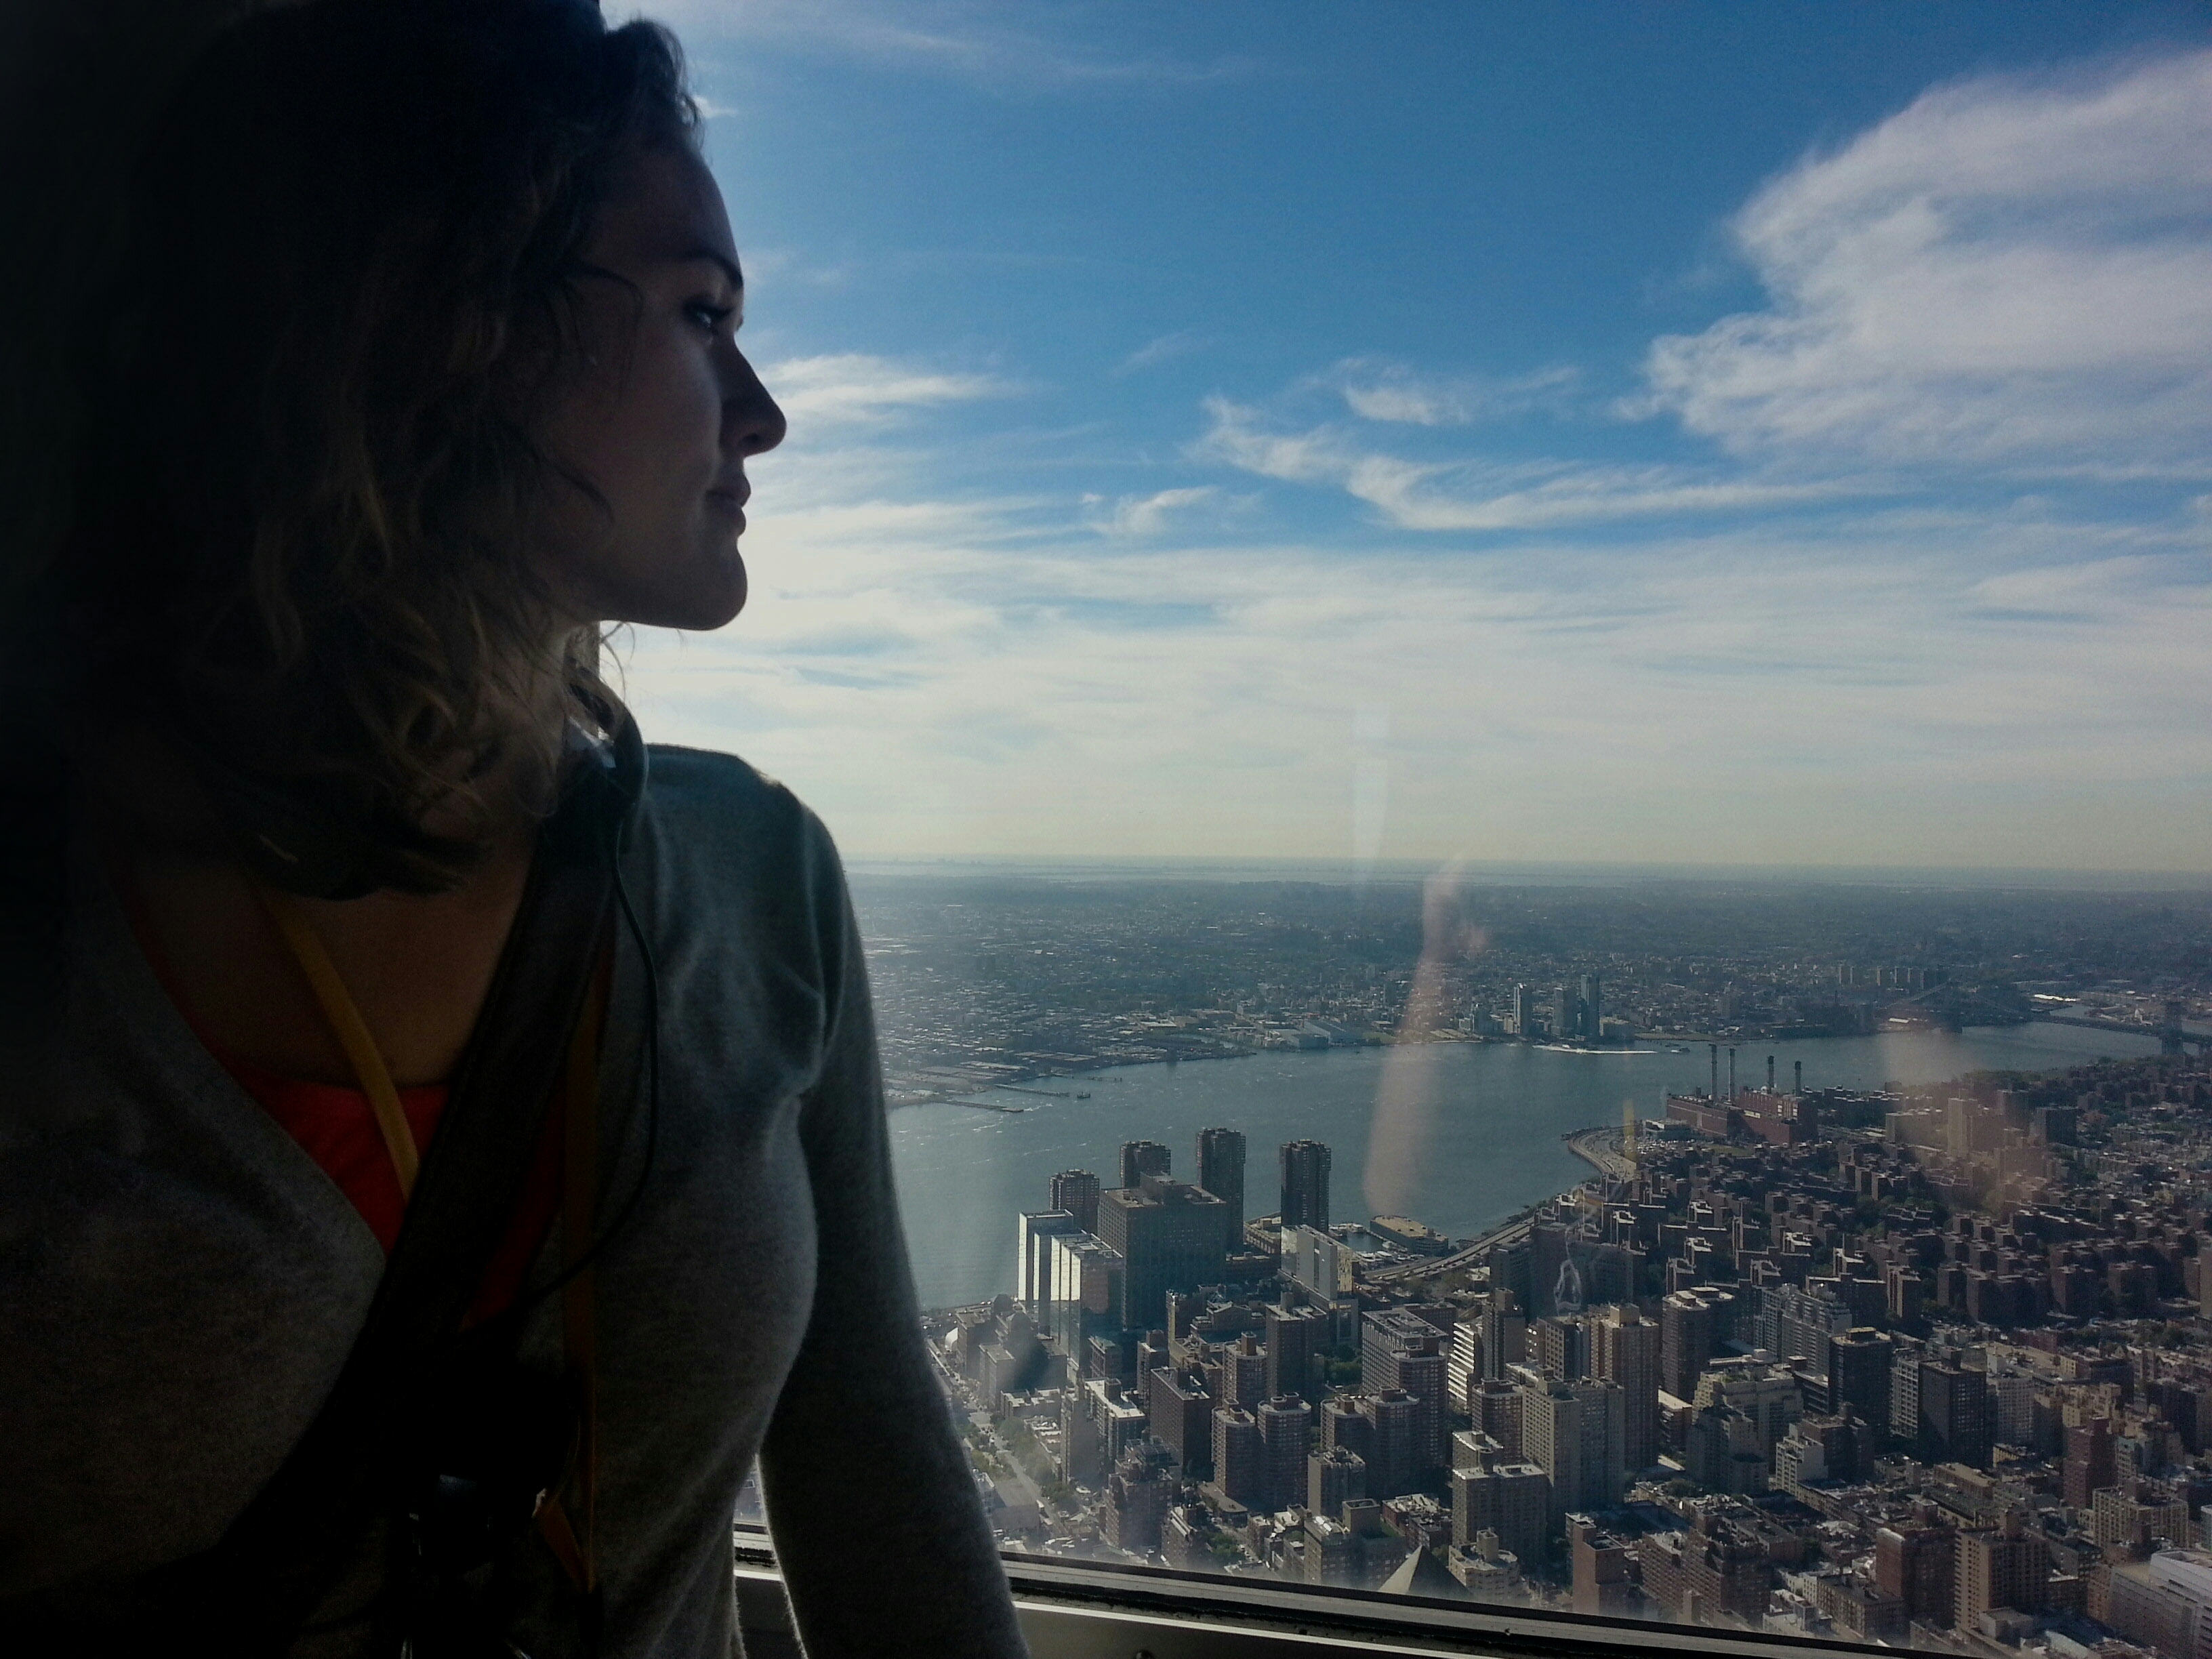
2171	1035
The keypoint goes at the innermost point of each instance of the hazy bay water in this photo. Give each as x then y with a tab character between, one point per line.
1490	1142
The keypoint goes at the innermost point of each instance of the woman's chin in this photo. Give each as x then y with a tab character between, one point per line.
709	600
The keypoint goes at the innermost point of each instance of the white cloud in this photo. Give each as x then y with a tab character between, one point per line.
1148	516
959	677
854	388
1476	495
2012	270
1392	392
1164	349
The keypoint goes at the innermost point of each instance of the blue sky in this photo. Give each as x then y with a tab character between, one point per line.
1735	434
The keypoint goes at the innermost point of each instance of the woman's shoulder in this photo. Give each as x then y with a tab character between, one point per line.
717	811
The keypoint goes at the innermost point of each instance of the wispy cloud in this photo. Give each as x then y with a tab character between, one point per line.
2013	269
1375	390
958	677
1472	494
1149	515
1165	348
856	389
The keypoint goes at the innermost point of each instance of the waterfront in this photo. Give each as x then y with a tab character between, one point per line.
1491	1126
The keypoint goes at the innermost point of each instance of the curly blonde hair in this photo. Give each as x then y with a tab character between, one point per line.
300	473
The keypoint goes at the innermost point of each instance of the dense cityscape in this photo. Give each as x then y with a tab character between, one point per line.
1926	1366
991	979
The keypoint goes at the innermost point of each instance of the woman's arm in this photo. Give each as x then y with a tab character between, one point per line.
876	1523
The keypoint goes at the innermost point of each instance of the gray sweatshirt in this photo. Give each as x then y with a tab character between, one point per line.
180	1282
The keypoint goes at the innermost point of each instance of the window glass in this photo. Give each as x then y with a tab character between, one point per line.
1516	700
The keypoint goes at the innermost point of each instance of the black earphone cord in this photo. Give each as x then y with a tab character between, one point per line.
605	1235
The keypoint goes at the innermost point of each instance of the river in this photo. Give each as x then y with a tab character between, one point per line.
1485	1135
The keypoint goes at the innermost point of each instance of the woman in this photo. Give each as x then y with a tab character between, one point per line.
409	365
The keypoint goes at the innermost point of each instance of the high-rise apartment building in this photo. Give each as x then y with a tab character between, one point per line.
1086	1289
1624	1349
1334	1478
1512	1500
1954	1416
1692	1326
1394	1447
1297	1348
1181	1409
1168	1235
2089	1464
1402	1353
1566	1013
1221	1172
1076	1191
1504	1334
1575	1433
1593	1008
1343	1422
1524	1011
1560	1346
1240	1460
1858	1378
1138	1495
1916	1563
1244	1373
1140	1158
1305	1184
1034	1231
2007	1568
1285	1423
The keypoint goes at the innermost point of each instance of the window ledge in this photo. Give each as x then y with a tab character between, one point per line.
1096	1611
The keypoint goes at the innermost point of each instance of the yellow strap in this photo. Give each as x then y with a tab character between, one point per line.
572	1545
350	1030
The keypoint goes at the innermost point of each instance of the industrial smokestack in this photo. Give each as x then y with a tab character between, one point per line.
1731	1074
1713	1054
1800	1077
1770	1074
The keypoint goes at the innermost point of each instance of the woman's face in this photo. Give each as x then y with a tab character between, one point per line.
659	413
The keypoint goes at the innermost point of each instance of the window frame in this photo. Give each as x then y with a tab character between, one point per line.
1076	1611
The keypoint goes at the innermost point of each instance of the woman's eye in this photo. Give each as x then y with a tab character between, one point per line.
711	316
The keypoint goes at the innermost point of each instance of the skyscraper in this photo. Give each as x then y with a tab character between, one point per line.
1305	1184
1954	1416
1402	1353
1076	1191
1297	1341
1169	1237
1140	1158
1393	1443
1524	1011
1334	1478
1573	1432
1240	1463
1034	1231
1566	1012
1221	1172
1593	1009
1284	1423
1858	1378
1693	1325
1624	1349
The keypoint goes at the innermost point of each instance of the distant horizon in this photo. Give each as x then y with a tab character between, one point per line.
1531	871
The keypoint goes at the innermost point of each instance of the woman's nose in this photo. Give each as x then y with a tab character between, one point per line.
752	422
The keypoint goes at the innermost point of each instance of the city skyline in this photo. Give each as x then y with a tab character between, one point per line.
1878	1366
